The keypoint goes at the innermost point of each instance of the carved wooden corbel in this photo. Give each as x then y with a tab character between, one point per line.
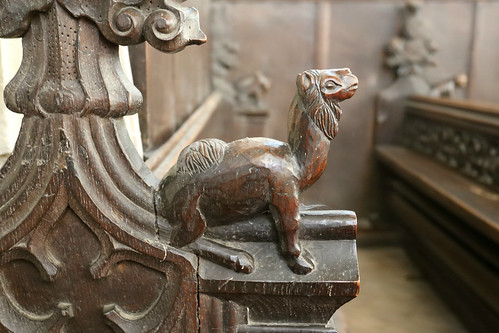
86	243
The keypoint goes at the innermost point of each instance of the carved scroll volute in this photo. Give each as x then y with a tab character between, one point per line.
165	24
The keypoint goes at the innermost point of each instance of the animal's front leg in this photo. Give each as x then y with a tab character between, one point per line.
286	213
190	231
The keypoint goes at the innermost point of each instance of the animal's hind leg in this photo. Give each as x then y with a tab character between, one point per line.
192	223
286	213
192	227
238	260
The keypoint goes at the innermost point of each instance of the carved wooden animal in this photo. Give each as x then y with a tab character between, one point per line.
216	183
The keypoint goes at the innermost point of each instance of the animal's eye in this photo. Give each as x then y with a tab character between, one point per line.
330	84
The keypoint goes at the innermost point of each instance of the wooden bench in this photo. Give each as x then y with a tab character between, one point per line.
443	176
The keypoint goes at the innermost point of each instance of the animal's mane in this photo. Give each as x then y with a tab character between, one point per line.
325	114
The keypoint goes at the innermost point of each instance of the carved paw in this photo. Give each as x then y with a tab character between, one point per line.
242	262
301	265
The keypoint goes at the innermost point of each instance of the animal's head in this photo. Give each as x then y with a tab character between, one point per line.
321	91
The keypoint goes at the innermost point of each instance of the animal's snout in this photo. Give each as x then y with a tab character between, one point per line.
351	82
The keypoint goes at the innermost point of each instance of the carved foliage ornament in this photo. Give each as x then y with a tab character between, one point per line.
474	154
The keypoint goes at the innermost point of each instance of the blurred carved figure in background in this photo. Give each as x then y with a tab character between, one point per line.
409	55
412	50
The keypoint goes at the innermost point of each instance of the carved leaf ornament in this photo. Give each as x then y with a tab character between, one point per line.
81	248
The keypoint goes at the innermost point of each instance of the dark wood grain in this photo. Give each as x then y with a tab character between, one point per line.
315	225
277	297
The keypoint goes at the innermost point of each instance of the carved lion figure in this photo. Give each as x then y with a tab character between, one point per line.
216	183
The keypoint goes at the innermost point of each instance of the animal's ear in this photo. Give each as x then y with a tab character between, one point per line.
306	80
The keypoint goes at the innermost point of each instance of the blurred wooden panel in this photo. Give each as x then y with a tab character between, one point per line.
283	38
358	33
450	25
323	34
279	40
173	85
192	69
162	101
485	66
